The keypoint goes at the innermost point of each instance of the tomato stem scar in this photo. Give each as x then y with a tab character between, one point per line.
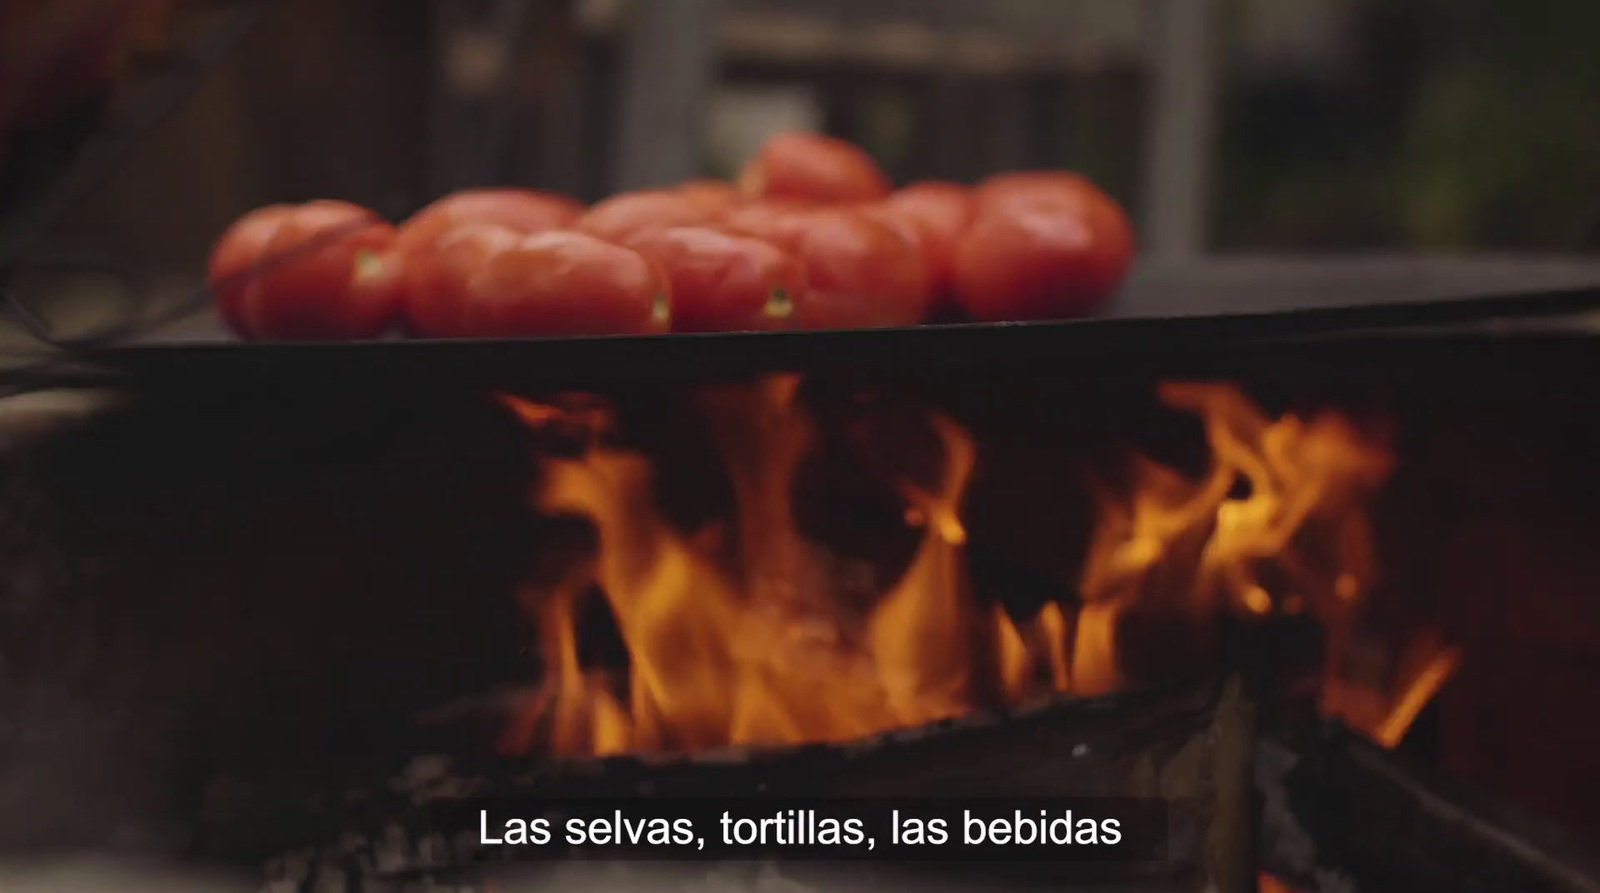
778	304
368	263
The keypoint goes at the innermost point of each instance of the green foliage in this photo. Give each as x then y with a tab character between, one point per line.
1469	125
1504	145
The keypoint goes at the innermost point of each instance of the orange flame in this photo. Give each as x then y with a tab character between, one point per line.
755	650
1284	501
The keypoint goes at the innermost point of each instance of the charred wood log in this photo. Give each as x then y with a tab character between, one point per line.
1342	814
1188	744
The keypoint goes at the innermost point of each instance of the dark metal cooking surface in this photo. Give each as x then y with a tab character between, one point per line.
578	360
1162	311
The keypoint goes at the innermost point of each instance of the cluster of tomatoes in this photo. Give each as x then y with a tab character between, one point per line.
812	236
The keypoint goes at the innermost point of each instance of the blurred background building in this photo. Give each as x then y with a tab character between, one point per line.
1226	126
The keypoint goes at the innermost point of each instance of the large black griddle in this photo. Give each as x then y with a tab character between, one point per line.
1211	318
1089	343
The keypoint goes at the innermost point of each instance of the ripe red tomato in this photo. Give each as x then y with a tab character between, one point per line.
438	299
913	233
1049	256
487	281
778	221
523	210
241	244
1024	185
941	211
813	167
859	271
350	288
723	282
862	267
715	196
618	218
1067	190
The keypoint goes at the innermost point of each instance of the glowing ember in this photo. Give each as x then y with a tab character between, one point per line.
1414	697
757	650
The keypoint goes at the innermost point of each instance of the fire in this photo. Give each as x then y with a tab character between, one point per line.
1279	520
749	644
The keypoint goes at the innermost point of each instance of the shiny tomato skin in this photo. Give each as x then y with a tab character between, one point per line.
777	221
622	216
376	293
724	282
1039	259
859	272
1068	190
525	211
1064	188
813	167
1070	245
1025	185
942	212
941	204
348	289
242	244
913	233
486	281
439	280
863	267
906	227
